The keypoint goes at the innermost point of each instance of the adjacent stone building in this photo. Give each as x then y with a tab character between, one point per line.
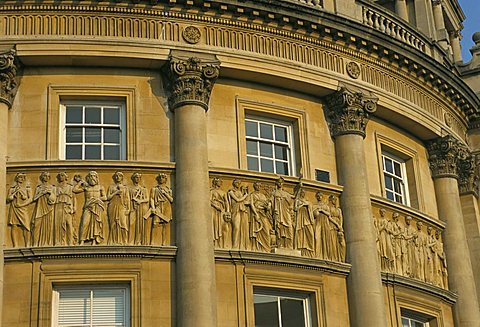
238	163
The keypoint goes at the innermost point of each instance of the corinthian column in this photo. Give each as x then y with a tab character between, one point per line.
348	112
442	35
189	82
446	156
8	85
401	9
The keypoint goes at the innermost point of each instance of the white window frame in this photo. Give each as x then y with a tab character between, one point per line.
92	287
102	104
404	194
289	144
411	322
287	294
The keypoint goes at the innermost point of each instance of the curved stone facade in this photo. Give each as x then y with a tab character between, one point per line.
220	161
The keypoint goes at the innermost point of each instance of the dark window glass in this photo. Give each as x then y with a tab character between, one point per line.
390	195
252	147
74	135
74	152
74	115
93	152
93	135
281	167
266	150
280	134
93	115
266	131
111	152
388	165
267	165
293	314
281	152
251	128
266	311
111	135
111	116
252	164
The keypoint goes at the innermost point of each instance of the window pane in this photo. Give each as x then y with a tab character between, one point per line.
251	128
399	199
74	115
281	152
92	115
111	116
281	168
111	152
74	308
74	135
398	186
293	314
93	135
390	196
398	171
74	152
388	165
252	163
266	311
266	131
267	165
111	135
405	322
388	182
252	147
280	134
108	307
92	152
266	149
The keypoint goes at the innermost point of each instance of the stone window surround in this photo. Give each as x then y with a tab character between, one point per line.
411	159
296	117
283	281
82	274
59	93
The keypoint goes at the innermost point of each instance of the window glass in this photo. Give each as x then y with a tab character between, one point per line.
94	132
269	146
281	308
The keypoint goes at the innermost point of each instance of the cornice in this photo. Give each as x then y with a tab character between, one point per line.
298	21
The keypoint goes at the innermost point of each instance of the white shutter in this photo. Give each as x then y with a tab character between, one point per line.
92	306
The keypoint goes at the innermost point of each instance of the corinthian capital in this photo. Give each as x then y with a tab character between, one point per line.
8	73
445	154
348	111
468	175
189	79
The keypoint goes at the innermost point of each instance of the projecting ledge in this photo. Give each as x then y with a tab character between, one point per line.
61	252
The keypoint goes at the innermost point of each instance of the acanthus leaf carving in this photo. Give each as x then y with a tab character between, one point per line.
9	67
348	111
444	155
468	175
189	80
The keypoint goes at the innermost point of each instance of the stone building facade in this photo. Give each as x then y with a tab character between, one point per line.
238	163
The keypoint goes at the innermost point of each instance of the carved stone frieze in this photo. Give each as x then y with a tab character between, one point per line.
348	111
444	155
9	67
189	80
468	175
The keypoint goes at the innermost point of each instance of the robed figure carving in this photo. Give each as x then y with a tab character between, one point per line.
93	215
19	197
65	208
161	200
140	224
237	197
261	219
221	218
304	227
321	214
282	207
118	210
43	213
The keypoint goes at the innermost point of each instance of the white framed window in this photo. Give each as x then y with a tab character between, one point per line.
395	178
269	146
415	319
93	130
91	306
281	308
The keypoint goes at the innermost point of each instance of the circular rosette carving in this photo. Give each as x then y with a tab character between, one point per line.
353	70
191	34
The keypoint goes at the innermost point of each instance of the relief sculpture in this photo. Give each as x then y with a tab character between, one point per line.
118	210
409	250
65	208
19	197
161	200
140	223
43	217
221	218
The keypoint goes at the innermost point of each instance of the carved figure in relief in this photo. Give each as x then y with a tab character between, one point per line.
429	255
118	210
282	207
321	214
237	197
65	208
337	238
409	235
43	213
396	235
304	227
140	223
419	263
93	215
19	197
161	199
386	242
440	262
261	225
221	218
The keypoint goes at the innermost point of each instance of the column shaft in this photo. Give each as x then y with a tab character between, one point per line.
401	9
460	278
195	265
365	290
456	47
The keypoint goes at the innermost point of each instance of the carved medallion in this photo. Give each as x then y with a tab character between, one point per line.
191	34
353	70
448	119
